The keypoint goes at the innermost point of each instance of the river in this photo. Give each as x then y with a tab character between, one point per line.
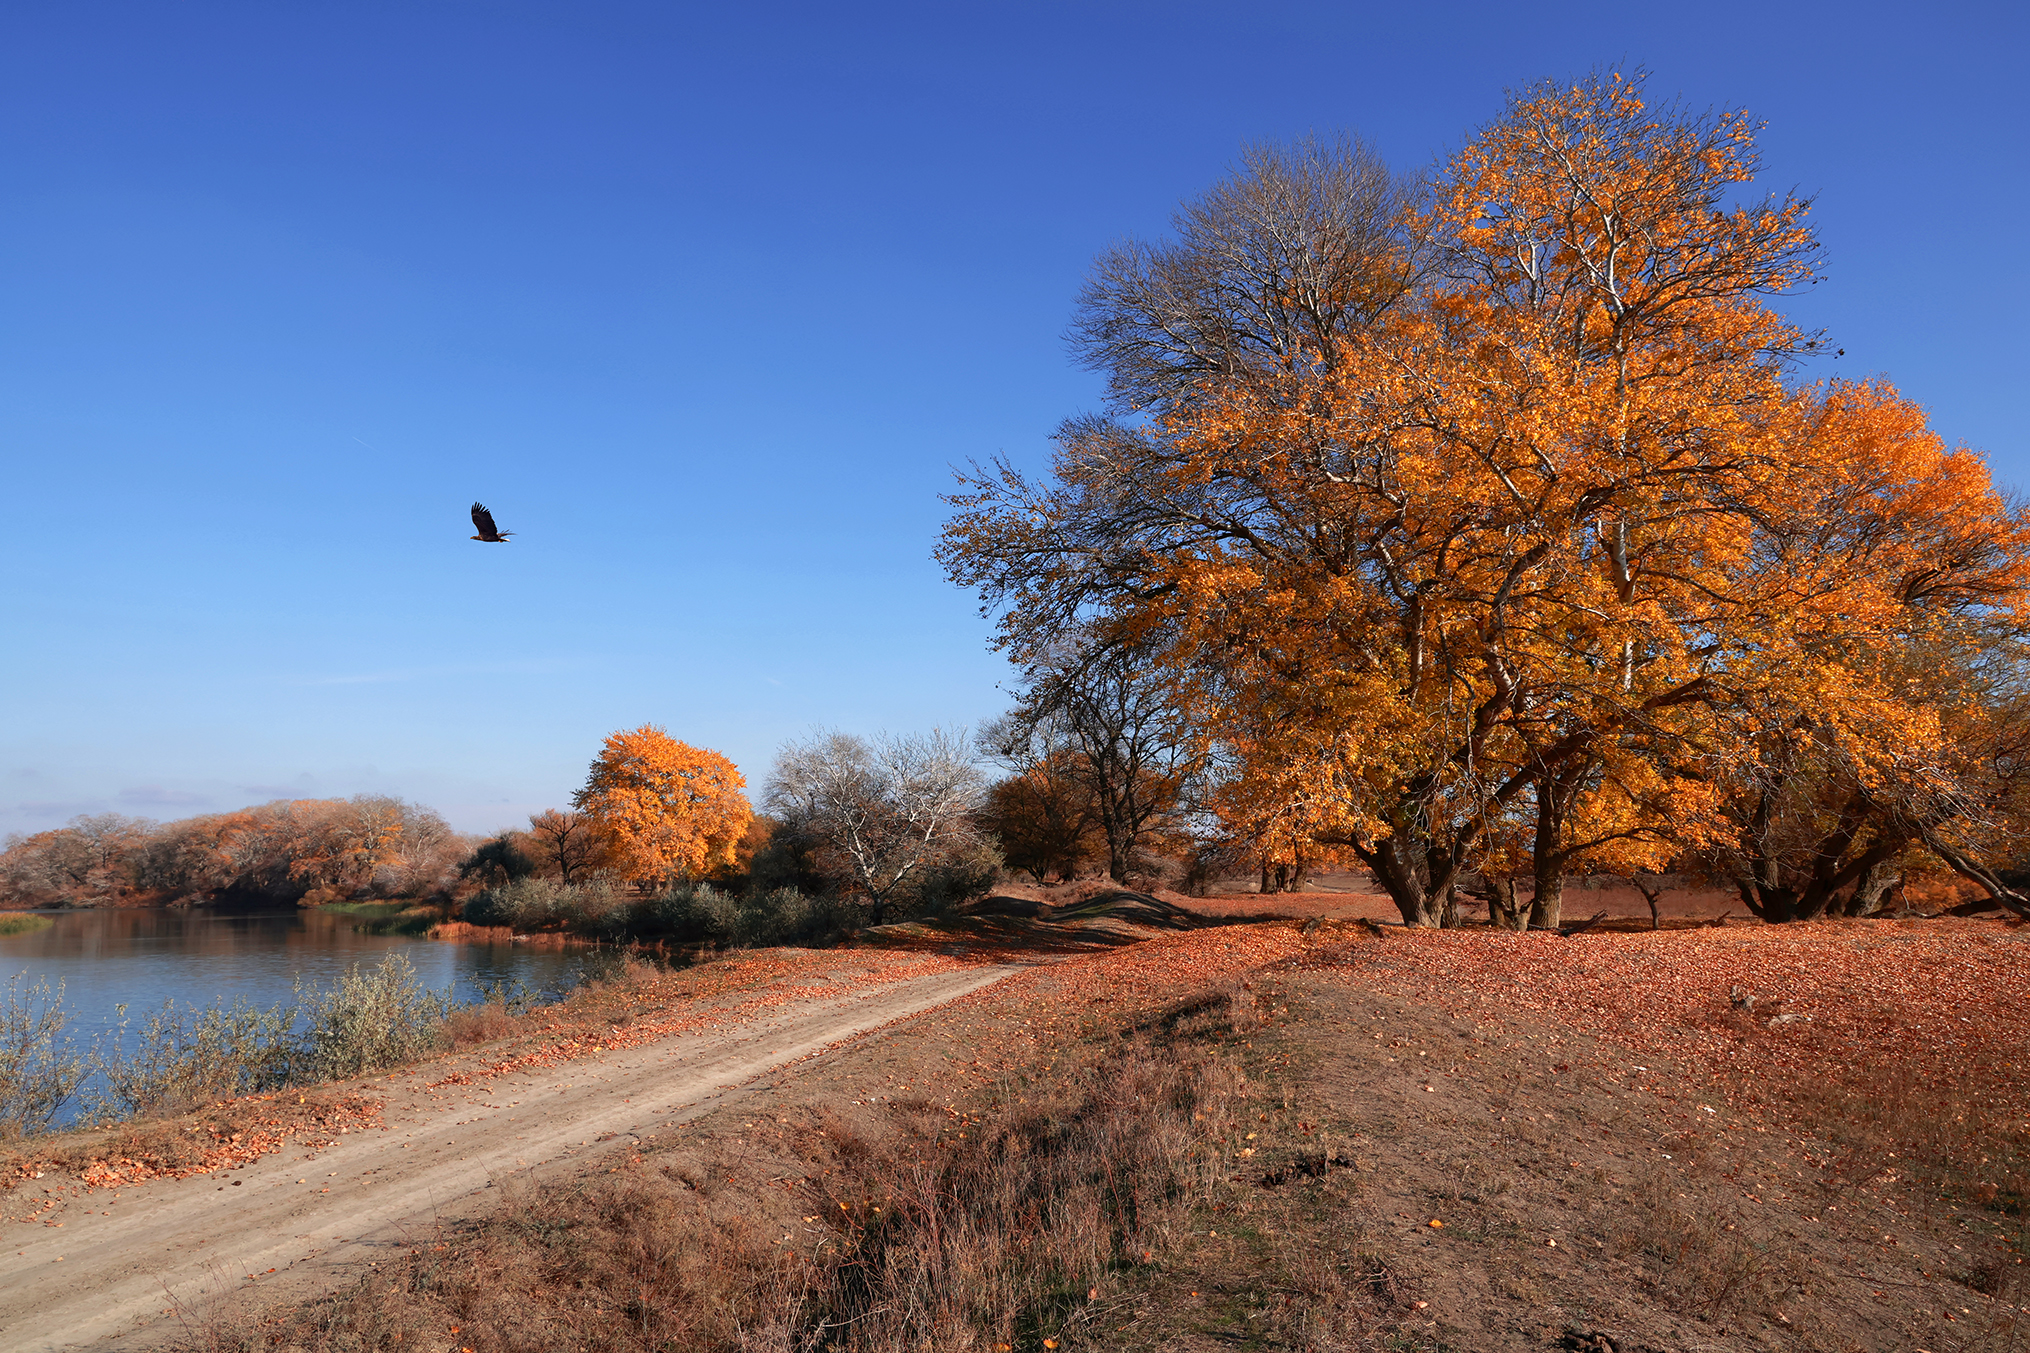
144	956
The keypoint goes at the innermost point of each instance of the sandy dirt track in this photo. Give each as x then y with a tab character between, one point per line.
113	1277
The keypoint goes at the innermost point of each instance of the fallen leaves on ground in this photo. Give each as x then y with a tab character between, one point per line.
1941	1001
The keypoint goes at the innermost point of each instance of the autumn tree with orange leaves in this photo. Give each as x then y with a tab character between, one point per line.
290	851
1524	545
667	810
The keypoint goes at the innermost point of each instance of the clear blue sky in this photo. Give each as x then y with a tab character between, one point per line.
702	301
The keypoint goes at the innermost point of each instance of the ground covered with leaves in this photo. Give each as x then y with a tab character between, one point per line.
1311	1136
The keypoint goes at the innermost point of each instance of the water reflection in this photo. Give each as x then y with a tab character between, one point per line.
144	956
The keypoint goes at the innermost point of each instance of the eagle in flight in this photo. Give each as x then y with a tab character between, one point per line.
488	532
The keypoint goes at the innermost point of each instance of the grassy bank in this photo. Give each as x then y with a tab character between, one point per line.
392	918
21	923
180	1057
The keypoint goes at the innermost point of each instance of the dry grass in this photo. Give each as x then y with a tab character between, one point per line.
1254	1167
928	1228
1699	1256
475	1024
1951	1159
1003	1226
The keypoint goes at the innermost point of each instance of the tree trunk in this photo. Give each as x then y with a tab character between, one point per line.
1547	905
1991	880
1873	889
1548	855
1406	880
1502	911
1650	894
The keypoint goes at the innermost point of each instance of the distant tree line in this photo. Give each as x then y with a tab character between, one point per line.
289	851
888	826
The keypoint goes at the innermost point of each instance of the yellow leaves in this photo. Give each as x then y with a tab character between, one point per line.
670	809
1559	509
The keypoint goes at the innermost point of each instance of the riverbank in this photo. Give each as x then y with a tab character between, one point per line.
1316	1135
313	1187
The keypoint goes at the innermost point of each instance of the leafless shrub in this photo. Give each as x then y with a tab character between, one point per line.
877	816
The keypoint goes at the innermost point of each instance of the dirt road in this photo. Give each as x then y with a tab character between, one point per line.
299	1222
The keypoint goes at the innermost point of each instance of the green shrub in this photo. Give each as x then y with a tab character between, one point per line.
593	909
688	913
191	1057
536	903
961	877
38	1071
525	904
692	913
369	1022
701	914
499	860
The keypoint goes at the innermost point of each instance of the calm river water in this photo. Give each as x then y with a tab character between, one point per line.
144	956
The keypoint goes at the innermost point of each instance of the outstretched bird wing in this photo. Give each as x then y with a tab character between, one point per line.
483	520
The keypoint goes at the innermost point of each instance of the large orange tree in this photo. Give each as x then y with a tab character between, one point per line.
668	810
1510	551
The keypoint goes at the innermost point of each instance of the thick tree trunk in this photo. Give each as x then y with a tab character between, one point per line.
1408	881
1503	913
1873	889
1547	906
1548	853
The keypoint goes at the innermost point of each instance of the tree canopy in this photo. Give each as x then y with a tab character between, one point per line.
1536	551
667	809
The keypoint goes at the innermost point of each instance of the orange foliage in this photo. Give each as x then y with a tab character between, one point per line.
1046	820
1547	556
291	849
670	810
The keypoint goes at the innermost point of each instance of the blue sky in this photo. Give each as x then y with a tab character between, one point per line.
703	301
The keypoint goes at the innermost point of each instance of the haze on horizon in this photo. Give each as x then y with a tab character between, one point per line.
703	305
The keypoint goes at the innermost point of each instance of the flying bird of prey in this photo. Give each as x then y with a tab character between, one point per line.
488	532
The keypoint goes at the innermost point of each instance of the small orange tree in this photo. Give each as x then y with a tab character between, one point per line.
669	809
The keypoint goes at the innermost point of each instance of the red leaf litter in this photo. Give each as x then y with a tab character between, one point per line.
221	1149
1940	1002
1059	1001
